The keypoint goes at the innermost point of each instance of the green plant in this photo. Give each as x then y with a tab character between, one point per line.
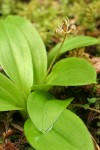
26	87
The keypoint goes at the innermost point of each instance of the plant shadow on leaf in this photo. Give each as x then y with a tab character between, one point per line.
63	135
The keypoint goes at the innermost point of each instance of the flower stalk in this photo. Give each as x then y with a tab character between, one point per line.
64	28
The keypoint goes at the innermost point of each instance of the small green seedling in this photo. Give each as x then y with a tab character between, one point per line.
29	76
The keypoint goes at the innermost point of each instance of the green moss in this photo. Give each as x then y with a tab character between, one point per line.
46	15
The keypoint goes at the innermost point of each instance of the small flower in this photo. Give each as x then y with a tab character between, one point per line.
65	27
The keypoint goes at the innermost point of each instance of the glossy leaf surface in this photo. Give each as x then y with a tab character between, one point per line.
44	109
15	56
41	87
72	72
10	96
68	133
36	46
72	43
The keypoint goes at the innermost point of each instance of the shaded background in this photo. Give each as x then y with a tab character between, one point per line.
46	15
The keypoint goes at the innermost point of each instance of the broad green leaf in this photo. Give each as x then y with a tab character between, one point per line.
15	56
36	45
44	110
68	133
72	72
7	106
41	87
72	43
10	96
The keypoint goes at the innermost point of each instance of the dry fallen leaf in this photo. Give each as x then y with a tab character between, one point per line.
96	63
1	147
95	144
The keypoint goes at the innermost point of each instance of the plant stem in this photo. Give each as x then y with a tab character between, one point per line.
55	57
78	105
24	114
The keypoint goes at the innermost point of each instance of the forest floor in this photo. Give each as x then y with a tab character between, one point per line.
11	123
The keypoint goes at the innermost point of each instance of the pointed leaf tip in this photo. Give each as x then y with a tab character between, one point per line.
72	72
44	110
